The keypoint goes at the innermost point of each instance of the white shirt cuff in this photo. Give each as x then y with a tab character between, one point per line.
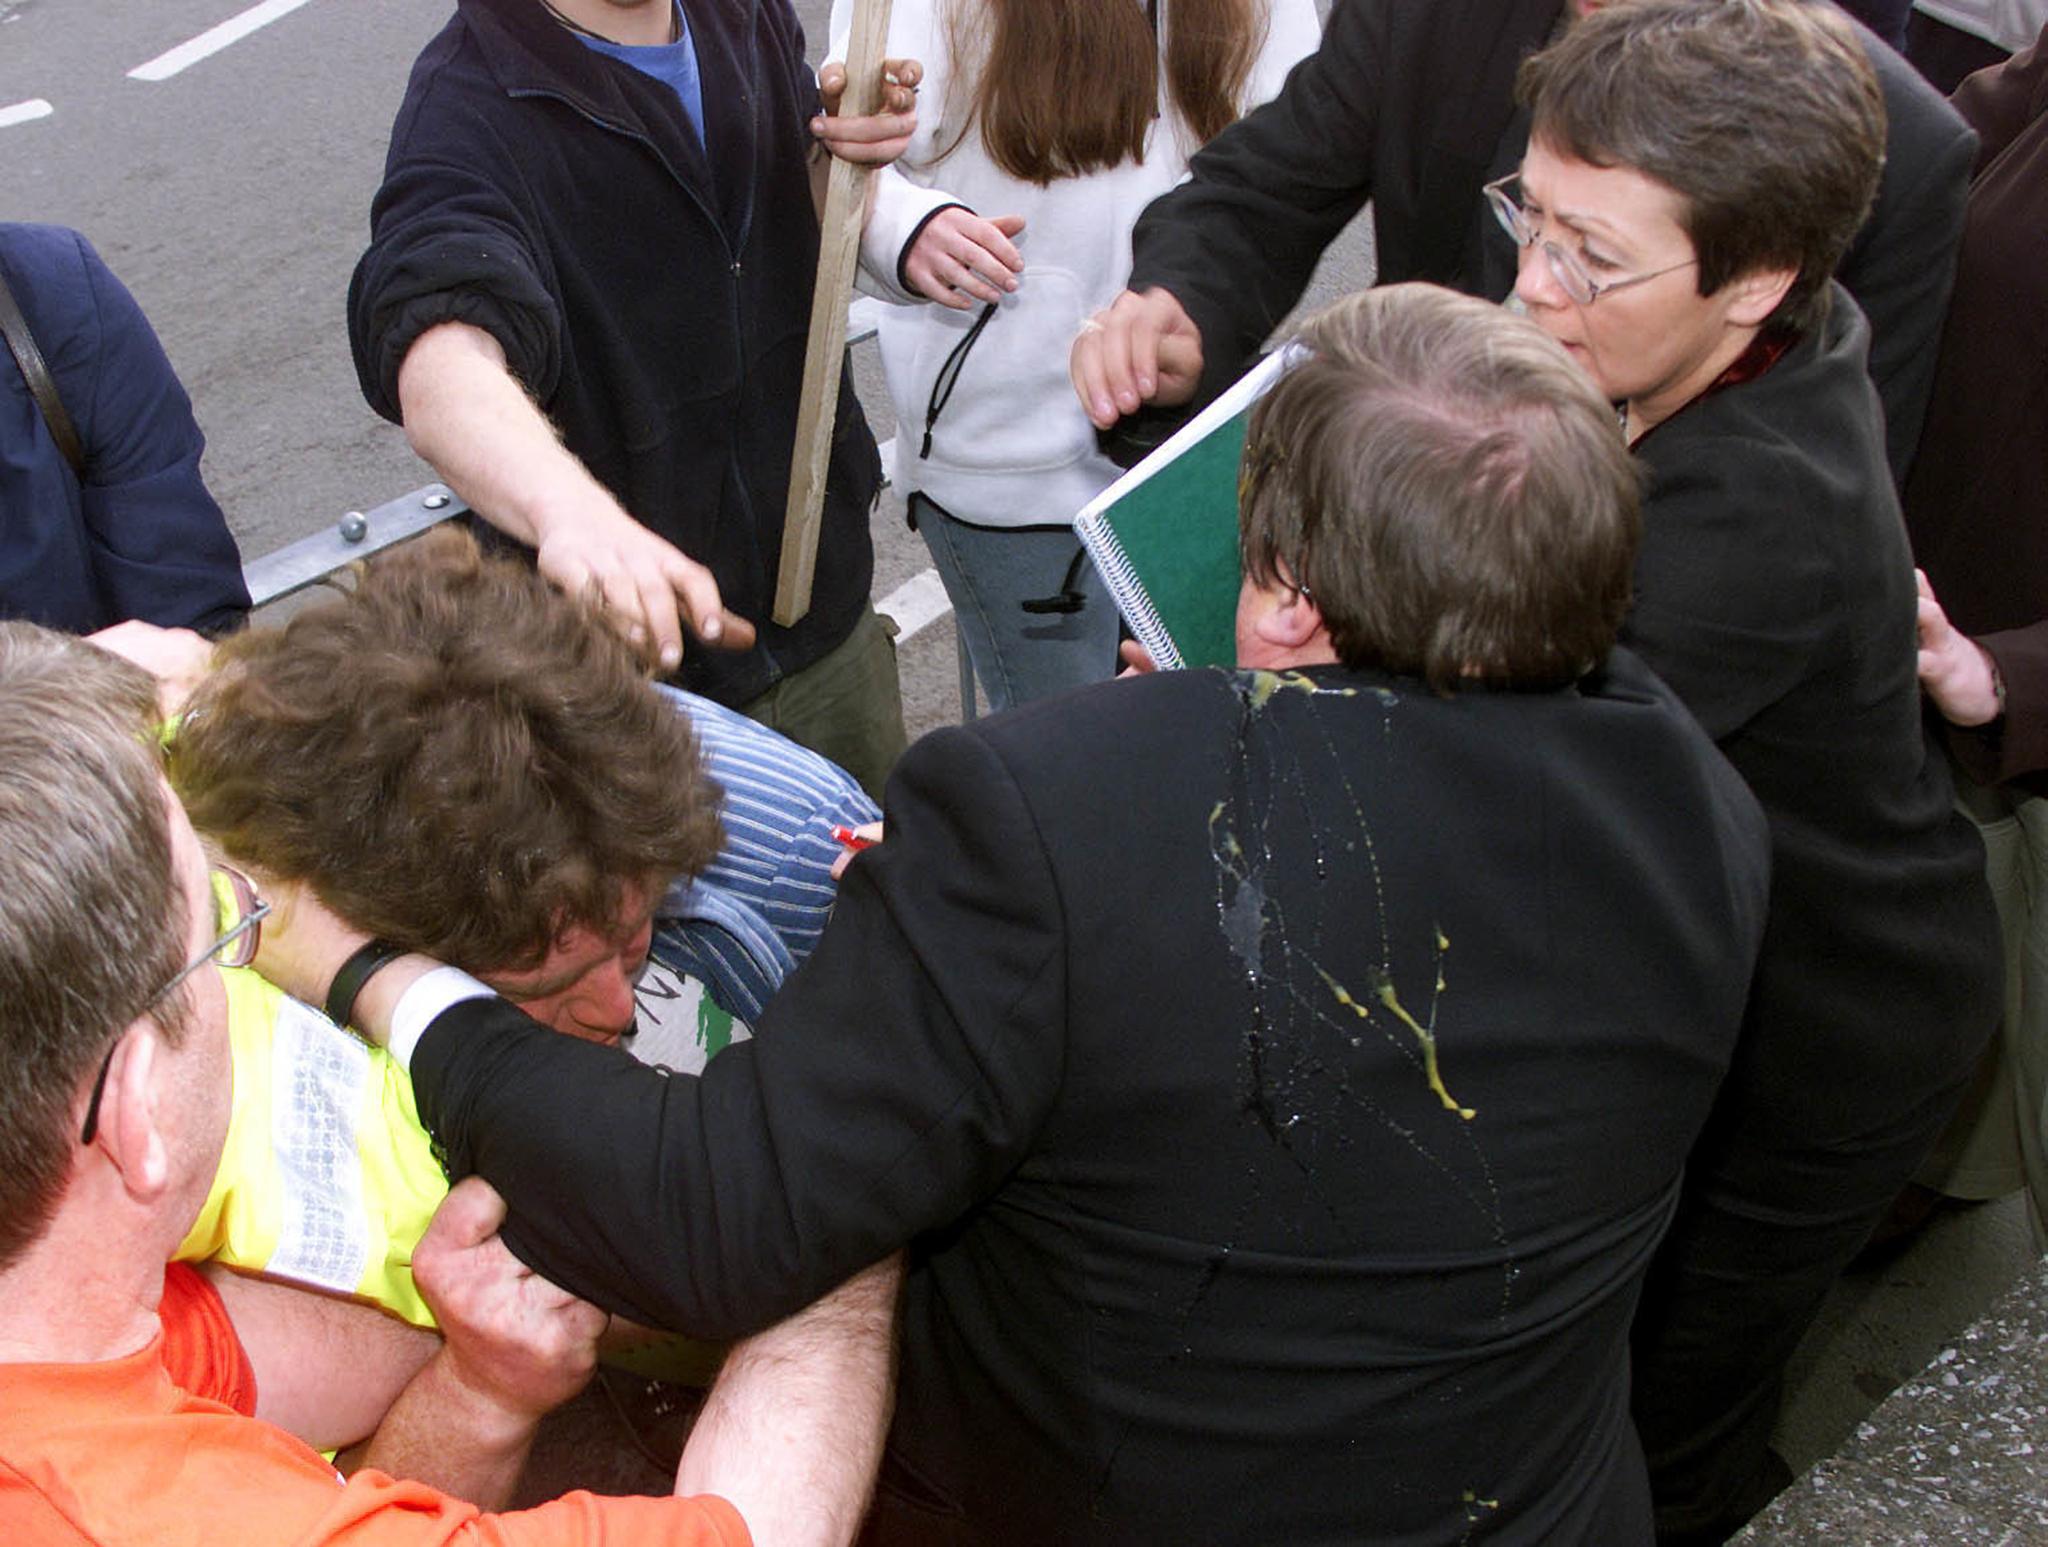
421	1005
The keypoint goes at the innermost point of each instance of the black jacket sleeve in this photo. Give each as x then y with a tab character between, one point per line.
1237	242
451	241
1902	265
899	1076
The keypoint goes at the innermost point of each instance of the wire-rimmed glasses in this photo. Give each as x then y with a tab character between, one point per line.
235	946
1565	268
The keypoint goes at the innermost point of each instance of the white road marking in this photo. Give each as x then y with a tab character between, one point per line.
921	600
213	40
25	112
916	604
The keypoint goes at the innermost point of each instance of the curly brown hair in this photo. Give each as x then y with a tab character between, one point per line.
457	756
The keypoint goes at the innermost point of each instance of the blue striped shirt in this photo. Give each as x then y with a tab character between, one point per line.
742	925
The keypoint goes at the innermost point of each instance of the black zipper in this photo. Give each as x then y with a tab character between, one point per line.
626	131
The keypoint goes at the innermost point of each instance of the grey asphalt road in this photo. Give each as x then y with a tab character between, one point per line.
233	198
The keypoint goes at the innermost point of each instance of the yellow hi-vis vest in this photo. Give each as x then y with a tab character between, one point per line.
327	1177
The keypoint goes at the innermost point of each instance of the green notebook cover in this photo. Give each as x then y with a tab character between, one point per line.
1164	536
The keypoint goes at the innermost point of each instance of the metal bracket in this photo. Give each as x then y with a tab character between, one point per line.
356	535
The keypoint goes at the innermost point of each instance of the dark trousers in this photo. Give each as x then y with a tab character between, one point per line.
1800	1160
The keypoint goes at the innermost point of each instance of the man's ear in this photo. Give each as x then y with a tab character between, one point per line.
130	1133
1754	296
1292	626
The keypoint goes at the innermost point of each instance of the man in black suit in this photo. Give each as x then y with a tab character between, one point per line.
1411	104
1280	1077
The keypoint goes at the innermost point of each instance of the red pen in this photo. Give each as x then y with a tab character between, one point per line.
851	839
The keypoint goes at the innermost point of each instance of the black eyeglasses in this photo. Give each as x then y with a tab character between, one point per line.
235	946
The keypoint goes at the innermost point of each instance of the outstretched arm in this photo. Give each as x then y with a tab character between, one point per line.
739	1196
791	1432
467	415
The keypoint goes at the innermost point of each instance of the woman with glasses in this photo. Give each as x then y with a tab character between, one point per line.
1692	177
1059	120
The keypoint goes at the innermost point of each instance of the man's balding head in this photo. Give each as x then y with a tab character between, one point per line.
1449	490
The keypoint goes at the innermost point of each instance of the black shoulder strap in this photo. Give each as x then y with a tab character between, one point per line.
14	327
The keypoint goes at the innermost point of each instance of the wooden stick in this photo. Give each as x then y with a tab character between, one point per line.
838	247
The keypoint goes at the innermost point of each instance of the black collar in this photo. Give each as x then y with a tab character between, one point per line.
674	16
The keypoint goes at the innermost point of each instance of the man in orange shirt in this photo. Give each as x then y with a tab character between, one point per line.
124	1393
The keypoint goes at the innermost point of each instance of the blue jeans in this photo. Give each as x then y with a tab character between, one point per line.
989	572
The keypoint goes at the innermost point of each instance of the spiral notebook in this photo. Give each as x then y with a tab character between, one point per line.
1164	536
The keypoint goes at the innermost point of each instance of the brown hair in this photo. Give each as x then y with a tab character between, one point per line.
1451	489
457	756
1764	116
1066	87
92	917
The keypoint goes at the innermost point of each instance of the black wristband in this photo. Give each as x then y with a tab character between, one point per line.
362	964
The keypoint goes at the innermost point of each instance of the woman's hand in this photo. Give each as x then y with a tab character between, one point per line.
959	259
1955	671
